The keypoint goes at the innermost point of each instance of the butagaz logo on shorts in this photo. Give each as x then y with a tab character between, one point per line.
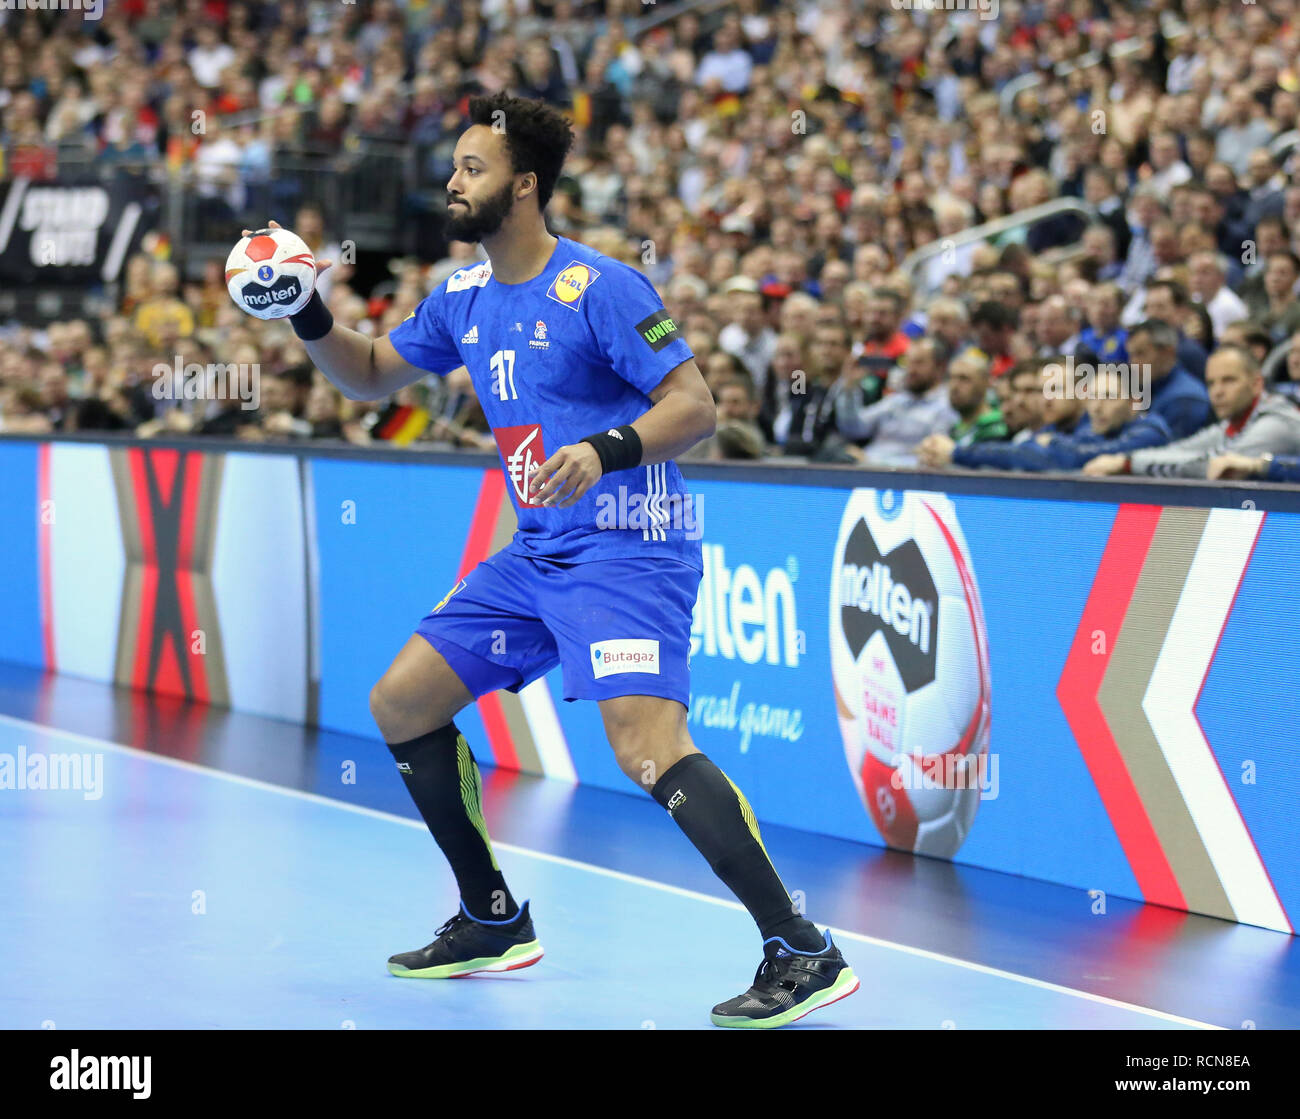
636	654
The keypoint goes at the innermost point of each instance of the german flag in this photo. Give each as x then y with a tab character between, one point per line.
401	424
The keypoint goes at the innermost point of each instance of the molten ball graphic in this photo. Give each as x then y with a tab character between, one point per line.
909	654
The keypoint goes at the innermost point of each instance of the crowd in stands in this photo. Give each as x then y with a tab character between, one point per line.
771	167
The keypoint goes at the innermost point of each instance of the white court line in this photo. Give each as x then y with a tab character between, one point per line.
560	860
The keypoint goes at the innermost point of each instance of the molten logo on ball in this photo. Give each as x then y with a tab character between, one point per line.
284	292
911	670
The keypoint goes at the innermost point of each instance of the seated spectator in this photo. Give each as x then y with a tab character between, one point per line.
1058	329
979	418
888	431
1167	301
163	306
1023	411
1209	287
1102	334
948	320
1100	254
737	435
812	416
1270	237
1176	396
778	398
747	334
885	344
1250	335
1251	422
1287	379
1279	312
993	325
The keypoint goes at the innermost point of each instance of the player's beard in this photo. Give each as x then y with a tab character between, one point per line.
465	224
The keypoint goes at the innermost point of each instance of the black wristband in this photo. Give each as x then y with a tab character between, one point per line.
618	448
314	321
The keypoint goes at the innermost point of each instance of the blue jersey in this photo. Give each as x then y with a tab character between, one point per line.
572	352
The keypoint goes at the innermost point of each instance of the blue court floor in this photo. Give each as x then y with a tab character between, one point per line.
177	894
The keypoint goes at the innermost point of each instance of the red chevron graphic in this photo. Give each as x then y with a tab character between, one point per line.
491	499
1081	679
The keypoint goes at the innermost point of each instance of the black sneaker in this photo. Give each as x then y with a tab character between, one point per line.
789	983
464	946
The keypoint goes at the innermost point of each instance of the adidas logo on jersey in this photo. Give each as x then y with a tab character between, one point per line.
472	336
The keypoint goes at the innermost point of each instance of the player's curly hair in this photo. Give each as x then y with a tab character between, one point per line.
538	137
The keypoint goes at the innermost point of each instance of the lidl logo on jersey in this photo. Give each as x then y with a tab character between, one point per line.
568	286
635	654
740	616
470	338
658	330
522	453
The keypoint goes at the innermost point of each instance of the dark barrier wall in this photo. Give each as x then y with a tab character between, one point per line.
1091	683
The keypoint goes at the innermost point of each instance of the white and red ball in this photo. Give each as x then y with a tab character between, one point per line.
271	274
909	656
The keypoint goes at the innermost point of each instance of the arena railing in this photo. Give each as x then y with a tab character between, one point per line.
988	229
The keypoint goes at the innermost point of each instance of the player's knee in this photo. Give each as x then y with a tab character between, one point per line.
638	756
389	711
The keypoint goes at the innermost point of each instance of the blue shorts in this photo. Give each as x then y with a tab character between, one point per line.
616	627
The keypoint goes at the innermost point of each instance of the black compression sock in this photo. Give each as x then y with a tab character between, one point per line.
717	818
444	781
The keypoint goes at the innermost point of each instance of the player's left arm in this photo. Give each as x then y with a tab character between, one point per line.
634	333
683	413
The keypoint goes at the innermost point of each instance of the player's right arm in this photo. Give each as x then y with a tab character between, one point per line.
363	368
366	368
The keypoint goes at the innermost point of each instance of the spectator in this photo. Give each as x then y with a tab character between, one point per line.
1103	335
811	423
1287	382
993	325
163	308
1270	238
1208	273
884	346
1176	396
889	430
1167	301
1023	411
1280	317
979	419
1243	130
1251	422
747	334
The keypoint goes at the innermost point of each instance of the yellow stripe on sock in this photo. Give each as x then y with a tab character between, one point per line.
752	823
471	793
